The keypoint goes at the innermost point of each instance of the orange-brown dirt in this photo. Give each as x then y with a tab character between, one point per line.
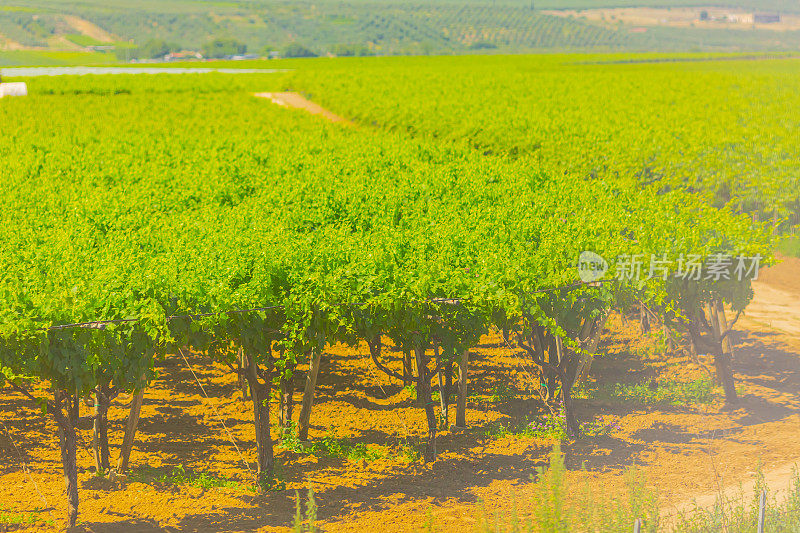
675	446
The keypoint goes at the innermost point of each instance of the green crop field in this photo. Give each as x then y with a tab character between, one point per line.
147	214
568	113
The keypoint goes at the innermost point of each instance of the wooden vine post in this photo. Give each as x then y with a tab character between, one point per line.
723	354
727	346
445	382
286	396
102	395
241	363
130	430
461	405
308	393
444	378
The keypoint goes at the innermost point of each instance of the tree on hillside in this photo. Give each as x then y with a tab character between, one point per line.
153	49
350	50
219	48
297	50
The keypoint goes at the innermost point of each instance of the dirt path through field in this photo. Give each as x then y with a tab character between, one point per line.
778	480
777	297
297	101
775	307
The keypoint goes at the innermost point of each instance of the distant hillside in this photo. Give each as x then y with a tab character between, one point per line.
359	27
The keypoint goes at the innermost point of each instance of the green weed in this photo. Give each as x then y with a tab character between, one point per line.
551	427
502	393
411	390
179	475
699	391
408	452
273	483
790	246
305	524
12	517
331	445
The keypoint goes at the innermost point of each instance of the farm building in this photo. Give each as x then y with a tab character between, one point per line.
741	18
766	18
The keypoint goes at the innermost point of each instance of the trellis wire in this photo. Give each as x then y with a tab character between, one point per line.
221	421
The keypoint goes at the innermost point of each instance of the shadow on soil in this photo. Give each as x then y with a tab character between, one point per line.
466	463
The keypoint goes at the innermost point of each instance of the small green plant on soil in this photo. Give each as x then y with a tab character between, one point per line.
307	523
430	524
502	393
554	511
179	475
408	451
11	517
411	390
289	439
654	349
700	391
331	445
552	427
273	483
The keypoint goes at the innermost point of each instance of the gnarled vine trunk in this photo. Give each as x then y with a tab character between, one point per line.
408	371
102	400
67	443
260	388
424	396
644	320
567	370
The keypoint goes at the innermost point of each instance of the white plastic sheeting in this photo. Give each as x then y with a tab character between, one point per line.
13	89
31	72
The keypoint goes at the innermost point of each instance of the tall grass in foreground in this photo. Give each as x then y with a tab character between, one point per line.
740	513
307	523
559	506
600	513
587	511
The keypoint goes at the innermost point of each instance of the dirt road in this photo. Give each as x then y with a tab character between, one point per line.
777	297
775	307
297	101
